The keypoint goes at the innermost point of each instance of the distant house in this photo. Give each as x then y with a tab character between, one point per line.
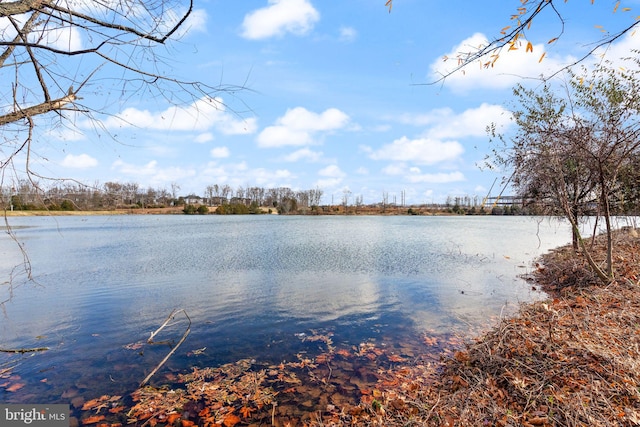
241	200
217	201
193	200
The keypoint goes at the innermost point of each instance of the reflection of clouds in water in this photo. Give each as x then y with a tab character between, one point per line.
247	281
127	273
428	320
43	318
504	250
325	296
475	294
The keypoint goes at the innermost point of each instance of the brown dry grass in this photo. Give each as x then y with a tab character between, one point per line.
137	211
572	360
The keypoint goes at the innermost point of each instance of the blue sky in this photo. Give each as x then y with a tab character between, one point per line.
335	98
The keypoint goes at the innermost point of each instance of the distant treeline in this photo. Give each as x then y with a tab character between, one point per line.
223	199
113	195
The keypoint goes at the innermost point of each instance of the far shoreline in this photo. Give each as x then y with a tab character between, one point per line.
179	210
157	211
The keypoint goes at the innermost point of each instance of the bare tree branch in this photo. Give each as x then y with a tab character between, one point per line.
19	7
122	28
577	153
42	108
525	18
53	50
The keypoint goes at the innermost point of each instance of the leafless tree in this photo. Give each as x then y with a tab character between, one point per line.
175	187
315	196
385	200
54	51
209	194
346	194
240	192
256	194
226	191
571	147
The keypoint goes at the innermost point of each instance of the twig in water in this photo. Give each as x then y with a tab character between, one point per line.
153	334
23	350
273	413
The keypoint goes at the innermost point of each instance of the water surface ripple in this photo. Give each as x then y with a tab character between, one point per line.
249	285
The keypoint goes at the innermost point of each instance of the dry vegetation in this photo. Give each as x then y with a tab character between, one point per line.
571	360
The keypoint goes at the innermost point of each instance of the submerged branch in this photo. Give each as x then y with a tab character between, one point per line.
23	350
173	350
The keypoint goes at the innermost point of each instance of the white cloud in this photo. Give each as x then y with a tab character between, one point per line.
425	119
202	115
303	154
624	48
227	173
480	189
414	174
435	178
327	182
269	178
445	123
238	174
472	122
331	175
303	119
280	17
381	128
220	152
421	151
348	34
394	169
298	126
509	69
131	169
332	171
67	39
81	161
62	37
231	126
278	136
151	174
197	21
204	137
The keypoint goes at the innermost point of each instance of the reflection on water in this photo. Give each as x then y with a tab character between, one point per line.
249	285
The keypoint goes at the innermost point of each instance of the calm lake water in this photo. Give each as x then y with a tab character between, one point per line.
251	286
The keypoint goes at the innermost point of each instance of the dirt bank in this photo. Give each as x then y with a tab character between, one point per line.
154	211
